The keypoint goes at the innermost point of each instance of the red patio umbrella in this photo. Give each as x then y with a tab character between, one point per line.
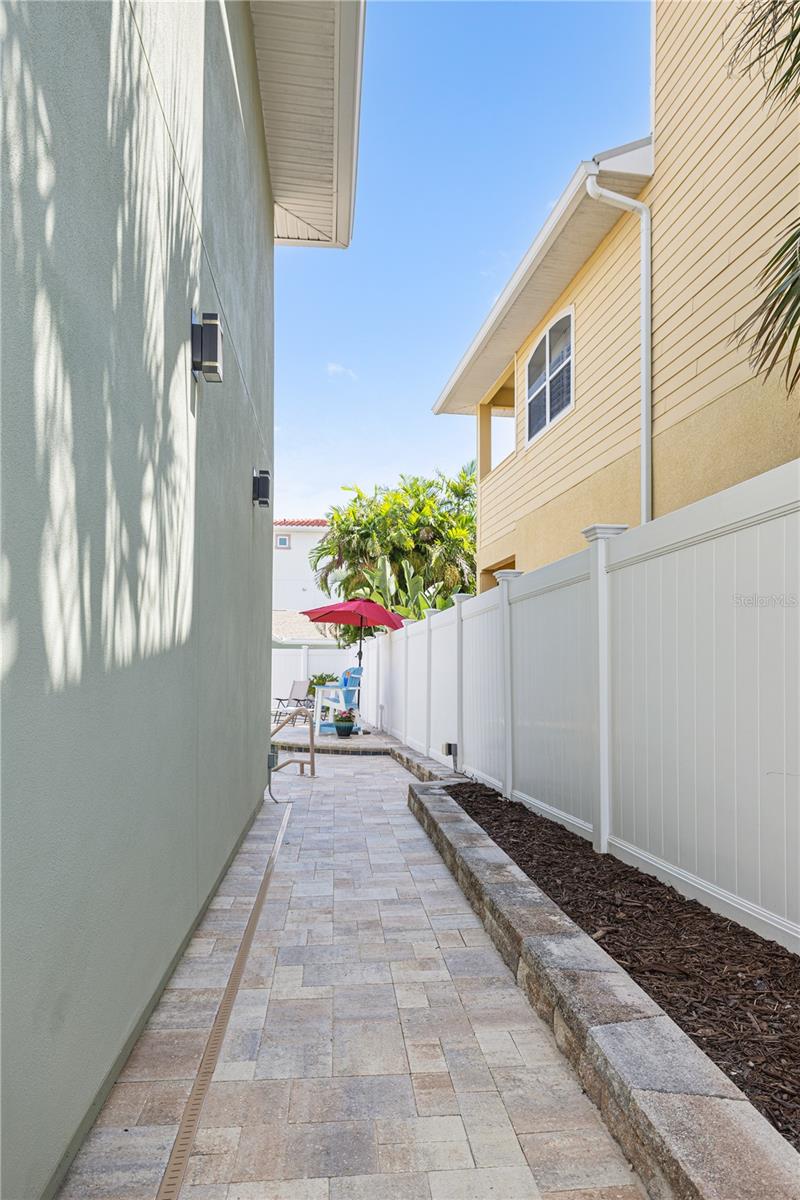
366	614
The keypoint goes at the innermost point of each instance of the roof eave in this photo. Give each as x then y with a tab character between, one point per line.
350	70
545	238
313	205
629	167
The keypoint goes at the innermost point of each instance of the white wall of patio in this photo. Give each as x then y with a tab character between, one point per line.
291	663
644	692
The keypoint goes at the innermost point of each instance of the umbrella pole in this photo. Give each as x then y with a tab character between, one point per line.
360	652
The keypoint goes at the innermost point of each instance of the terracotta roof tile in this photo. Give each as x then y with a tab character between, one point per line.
304	522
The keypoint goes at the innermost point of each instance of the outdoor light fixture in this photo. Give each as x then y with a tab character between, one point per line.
261	481
207	347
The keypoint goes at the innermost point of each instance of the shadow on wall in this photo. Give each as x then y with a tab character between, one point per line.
134	686
100	252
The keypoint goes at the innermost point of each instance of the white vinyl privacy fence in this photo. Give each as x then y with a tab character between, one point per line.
644	692
290	663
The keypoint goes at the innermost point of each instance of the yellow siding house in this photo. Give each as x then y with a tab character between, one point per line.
612	351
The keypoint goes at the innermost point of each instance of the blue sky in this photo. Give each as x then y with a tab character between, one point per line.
473	118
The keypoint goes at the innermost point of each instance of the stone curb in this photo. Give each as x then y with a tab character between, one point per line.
424	768
688	1130
350	751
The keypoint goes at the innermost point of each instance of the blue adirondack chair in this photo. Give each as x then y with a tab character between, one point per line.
343	694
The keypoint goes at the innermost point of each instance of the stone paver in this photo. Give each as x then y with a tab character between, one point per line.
379	1048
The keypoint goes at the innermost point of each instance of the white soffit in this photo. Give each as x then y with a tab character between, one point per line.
571	234
309	55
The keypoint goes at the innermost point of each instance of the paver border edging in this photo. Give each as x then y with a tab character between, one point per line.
685	1126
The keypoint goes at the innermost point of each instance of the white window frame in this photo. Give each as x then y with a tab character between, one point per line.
287	545
566	312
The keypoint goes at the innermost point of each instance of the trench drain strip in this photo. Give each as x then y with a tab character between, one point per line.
175	1171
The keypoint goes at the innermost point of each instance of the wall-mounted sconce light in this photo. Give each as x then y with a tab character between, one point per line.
261	482
207	347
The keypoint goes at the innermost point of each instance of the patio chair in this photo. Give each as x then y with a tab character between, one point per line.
334	696
298	698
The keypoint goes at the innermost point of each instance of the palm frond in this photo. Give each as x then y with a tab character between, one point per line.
773	330
768	40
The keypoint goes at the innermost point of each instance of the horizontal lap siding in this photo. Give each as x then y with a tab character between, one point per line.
603	423
726	183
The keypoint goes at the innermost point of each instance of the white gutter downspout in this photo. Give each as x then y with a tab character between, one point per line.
617	200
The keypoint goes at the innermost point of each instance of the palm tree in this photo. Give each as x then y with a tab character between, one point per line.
426	524
768	40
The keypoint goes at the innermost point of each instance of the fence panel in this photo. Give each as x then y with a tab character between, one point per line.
554	690
700	698
371	681
483	751
394	713
416	699
330	660
289	664
705	630
443	697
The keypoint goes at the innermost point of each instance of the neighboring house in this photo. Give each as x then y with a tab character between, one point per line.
293	629
294	584
599	436
300	647
152	155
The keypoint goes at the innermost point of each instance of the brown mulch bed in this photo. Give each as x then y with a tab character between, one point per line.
735	994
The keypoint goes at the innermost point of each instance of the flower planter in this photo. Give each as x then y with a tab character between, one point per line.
343	728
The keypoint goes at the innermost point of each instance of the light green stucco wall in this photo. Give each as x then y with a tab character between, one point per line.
135	572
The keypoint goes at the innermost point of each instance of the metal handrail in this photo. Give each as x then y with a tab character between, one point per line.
310	762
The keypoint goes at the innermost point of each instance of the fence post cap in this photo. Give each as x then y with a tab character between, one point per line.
596	533
459	597
507	573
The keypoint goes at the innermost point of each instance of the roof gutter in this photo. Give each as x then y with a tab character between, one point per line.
617	200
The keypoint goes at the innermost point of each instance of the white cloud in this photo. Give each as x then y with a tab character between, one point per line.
334	368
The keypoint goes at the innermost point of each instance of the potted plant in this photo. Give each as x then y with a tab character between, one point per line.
343	721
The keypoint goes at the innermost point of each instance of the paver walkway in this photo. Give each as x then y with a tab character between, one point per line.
379	1048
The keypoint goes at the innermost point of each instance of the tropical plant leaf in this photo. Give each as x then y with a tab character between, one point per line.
774	327
408	547
768	40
